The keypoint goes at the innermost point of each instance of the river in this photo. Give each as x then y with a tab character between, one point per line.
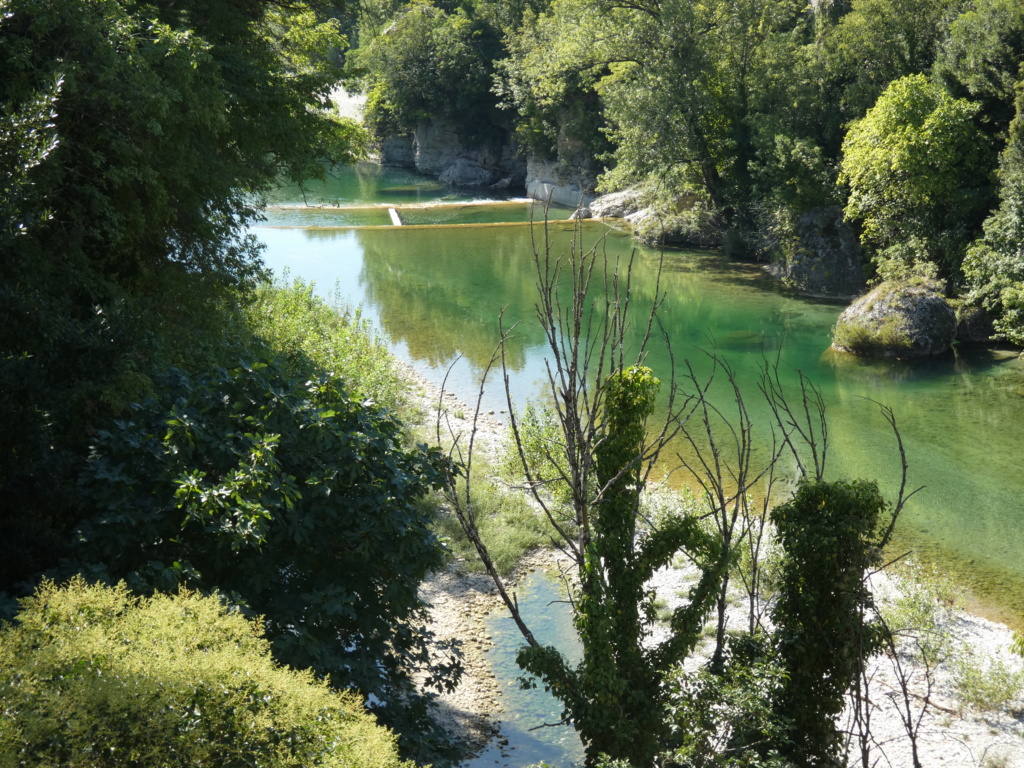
435	293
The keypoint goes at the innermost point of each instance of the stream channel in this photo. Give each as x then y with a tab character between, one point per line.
434	288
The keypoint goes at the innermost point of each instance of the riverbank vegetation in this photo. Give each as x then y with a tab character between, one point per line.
763	126
175	422
171	419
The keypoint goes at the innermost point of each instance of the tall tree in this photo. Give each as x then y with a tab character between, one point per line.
169	121
912	165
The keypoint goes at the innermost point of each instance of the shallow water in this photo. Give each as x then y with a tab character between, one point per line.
436	293
531	716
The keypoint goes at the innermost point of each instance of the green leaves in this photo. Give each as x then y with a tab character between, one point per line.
286	494
93	675
912	167
829	535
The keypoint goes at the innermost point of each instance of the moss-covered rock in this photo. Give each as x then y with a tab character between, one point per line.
897	319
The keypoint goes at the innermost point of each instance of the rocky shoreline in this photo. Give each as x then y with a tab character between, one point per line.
950	733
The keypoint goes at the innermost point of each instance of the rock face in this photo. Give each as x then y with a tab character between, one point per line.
973	325
552	181
435	149
824	258
896	320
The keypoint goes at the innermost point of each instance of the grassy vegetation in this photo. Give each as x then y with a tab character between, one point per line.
296	324
508	525
861	338
990	685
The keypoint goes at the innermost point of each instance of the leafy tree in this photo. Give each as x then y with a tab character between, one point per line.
286	495
93	675
691	79
880	41
137	138
912	166
982	57
430	63
549	78
994	266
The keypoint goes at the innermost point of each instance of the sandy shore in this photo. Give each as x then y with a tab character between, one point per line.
949	733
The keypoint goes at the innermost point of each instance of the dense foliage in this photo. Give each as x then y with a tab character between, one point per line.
135	138
297	501
829	533
136	141
95	676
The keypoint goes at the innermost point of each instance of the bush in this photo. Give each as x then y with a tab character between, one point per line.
986	687
95	676
290	497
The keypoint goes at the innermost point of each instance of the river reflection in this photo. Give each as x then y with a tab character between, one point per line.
436	294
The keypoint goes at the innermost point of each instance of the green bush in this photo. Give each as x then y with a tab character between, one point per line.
95	676
286	494
986	686
920	614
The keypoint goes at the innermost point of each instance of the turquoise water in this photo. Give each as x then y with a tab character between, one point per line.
531	717
436	293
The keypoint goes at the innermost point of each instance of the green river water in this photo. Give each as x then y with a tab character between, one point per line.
435	293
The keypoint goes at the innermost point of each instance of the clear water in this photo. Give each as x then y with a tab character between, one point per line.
531	717
436	293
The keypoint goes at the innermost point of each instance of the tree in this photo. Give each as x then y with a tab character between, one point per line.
93	675
912	165
880	41
994	267
430	63
288	497
981	59
830	534
162	124
586	473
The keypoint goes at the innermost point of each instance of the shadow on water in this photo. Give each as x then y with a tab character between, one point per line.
542	602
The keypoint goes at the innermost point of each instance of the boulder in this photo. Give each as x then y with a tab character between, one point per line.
552	182
823	258
618	205
897	319
973	324
467	173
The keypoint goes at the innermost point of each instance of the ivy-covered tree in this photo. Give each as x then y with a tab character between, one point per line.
830	535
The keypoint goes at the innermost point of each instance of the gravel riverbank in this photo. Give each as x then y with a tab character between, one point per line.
950	733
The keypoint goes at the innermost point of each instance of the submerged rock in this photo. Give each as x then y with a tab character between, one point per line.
896	320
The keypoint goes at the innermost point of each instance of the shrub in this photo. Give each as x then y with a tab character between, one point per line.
986	686
286	494
93	675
